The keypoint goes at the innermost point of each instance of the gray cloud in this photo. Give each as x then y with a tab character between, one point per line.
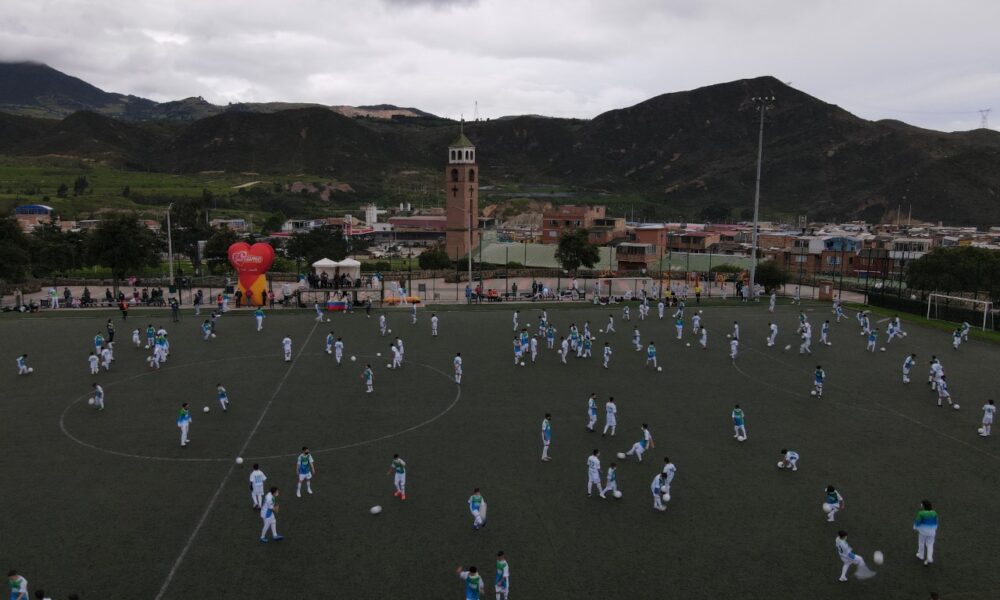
923	62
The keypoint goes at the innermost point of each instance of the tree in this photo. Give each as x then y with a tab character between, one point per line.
62	191
217	250
189	220
315	244
435	258
53	250
126	191
575	250
14	257
80	185
961	269
770	275
122	244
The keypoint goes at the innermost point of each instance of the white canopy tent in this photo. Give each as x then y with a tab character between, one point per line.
350	267
325	265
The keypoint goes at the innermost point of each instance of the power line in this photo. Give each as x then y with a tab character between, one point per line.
985	118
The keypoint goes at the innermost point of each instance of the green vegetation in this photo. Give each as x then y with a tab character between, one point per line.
575	250
961	269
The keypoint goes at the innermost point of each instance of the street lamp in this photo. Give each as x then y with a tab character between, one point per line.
170	247
763	103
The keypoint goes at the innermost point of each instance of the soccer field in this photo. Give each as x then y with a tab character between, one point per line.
108	505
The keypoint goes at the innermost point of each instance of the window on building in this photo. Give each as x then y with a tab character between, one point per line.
454	174
801	258
472	174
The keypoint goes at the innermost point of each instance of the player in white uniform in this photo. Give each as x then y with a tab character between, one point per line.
106	358
305	466
656	487
704	338
457	362
546	436
383	326
516	314
625	314
223	396
772	335
771	302
434	325
398	468
734	348
908	365
668	472
936	369
989	409
956	338
611	324
660	307
807	336
502	583
607	354
640	447
286	346
848	557
22	365
98	396
477	506
413	314
943	393
329	343
94	364
610	417
736	330
533	343
591	412
789	460
832	503
268	509
611	479
136	340
338	350
635	339
594	474
319	313
824	333
397	360
257	479
563	349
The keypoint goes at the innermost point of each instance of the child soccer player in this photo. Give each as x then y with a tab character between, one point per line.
546	436
473	583
413	314
943	393
704	338
319	313
848	557
150	335
612	479
607	354
306	467
515	320
286	346
368	375
329	343
269	507
517	352
772	335
824	333
872	339
98	342
434	325
594	473
383	326
502	583
640	447
908	365
832	503
989	409
806	346
669	470
106	358
338	350
223	397
477	506
956	338
136	341
966	327
819	376
591	412
398	467
257	479
457	362
533	343
771	302
625	314
611	324
94	364
563	349
926	525
98	396
789	460
259	315
660	306
635	339
656	488
550	336
184	423
679	326
736	330
22	365
651	354
734	348
696	323
610	417
739	424
206	330
397	358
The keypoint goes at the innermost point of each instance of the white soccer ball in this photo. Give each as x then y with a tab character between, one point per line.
620	455
239	460
388	365
788	347
328	319
90	401
878	558
812	393
378	354
390	331
146	346
955	406
688	345
616	494
741	439
205	410
522	364
375	509
354	358
699	311
659	369
31	369
329	351
600	331
729	335
213	336
882	349
980	431
666	497
781	464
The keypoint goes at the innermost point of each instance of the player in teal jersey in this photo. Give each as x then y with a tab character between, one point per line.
651	354
398	467
550	336
98	343
833	503
739	424
819	376
477	506
926	525
150	334
588	345
329	343
306	468
259	315
206	330
546	436
223	397
679	326
473	583
502	583
369	376
184	423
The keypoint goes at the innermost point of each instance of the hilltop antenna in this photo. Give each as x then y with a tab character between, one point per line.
475	114
984	121
461	123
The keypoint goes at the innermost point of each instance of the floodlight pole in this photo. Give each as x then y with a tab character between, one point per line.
762	104
170	247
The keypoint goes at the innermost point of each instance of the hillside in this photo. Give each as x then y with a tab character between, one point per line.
669	156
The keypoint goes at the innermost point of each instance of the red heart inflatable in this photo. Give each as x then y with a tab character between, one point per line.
250	262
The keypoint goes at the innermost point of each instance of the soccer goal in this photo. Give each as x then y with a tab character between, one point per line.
625	287
942	307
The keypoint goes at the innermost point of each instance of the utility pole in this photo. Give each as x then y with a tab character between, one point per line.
763	103
170	247
984	121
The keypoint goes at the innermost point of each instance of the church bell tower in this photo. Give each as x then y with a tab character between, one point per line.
461	184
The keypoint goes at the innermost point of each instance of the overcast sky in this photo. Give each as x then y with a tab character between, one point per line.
933	64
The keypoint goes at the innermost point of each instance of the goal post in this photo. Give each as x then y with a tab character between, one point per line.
943	307
625	287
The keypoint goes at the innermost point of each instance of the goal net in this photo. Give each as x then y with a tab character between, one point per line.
956	309
625	287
